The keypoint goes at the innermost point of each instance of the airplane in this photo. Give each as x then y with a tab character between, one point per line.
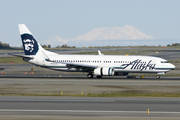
99	65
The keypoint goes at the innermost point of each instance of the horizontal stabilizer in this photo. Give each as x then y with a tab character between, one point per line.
20	55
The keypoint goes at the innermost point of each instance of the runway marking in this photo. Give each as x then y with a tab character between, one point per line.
65	100
115	81
86	111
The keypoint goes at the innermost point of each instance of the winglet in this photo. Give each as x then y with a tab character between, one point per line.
99	52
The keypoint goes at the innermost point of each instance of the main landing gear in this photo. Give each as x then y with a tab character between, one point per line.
90	75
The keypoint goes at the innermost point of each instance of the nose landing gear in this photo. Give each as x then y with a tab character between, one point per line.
158	77
161	73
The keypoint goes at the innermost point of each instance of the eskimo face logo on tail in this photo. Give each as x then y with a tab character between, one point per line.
30	44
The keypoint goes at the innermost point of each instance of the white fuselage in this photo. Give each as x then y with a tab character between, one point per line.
120	63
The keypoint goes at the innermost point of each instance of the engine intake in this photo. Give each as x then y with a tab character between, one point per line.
107	71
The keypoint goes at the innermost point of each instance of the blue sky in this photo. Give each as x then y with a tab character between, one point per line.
92	22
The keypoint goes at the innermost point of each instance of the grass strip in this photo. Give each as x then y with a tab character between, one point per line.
103	95
12	60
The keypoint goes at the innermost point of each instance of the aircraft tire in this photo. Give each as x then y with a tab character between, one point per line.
90	75
158	77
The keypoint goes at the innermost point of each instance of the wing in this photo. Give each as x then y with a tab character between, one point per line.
80	67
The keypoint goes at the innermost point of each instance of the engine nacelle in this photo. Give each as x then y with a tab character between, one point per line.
108	71
121	73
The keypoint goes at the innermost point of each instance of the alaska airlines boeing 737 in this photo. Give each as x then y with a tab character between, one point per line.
99	65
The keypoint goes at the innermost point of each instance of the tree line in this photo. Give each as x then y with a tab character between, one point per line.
174	44
58	46
4	45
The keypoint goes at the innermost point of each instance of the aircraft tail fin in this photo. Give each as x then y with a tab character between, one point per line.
30	44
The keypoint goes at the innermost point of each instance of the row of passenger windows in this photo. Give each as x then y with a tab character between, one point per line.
88	61
127	62
121	61
96	61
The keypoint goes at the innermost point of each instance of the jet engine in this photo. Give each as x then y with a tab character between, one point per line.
108	71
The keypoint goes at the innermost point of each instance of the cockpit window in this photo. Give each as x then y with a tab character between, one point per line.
164	61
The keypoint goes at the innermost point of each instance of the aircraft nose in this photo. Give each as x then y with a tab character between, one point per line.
171	66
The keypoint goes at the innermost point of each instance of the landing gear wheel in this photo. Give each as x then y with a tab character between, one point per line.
158	77
90	75
99	76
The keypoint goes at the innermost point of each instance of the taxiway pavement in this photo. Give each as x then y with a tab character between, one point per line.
90	107
74	86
